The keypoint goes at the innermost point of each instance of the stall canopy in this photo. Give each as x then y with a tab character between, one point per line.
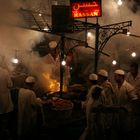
41	22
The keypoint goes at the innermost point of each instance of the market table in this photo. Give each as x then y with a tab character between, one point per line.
63	124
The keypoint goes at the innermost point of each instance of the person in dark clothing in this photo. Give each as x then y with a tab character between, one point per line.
6	105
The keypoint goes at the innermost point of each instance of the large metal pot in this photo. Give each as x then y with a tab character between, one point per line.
59	110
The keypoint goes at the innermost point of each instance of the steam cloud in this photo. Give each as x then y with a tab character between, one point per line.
13	38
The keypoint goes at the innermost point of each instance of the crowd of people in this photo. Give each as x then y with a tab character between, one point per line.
111	109
19	107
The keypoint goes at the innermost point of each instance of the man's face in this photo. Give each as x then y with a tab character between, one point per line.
133	70
101	79
117	78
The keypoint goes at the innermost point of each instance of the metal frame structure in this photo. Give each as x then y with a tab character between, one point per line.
107	31
104	33
34	21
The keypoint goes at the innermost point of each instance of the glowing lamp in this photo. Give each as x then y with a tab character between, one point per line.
133	54
15	60
114	62
119	2
63	62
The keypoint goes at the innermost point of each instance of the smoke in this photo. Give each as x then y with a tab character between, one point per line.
12	38
120	46
134	5
17	41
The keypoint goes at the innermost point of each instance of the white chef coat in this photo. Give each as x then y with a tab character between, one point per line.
27	111
89	104
125	93
134	81
54	67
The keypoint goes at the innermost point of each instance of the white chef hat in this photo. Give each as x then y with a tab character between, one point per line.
52	44
30	79
93	76
103	72
120	72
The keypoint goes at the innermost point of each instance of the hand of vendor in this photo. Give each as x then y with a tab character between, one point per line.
47	102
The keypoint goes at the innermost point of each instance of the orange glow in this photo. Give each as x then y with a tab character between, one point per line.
54	85
86	9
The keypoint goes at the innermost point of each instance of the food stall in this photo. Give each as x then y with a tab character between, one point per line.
62	118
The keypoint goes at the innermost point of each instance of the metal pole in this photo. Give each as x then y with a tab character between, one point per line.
86	32
96	47
61	66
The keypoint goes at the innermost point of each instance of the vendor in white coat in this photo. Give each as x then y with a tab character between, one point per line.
52	60
106	85
133	77
109	94
125	93
92	82
27	109
93	100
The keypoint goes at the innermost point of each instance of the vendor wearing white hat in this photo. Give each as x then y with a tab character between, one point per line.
120	72
30	79
92	78
107	86
28	105
133	77
125	92
30	82
103	72
93	99
102	76
106	119
92	83
52	60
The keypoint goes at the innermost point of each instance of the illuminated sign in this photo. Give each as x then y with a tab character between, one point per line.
89	8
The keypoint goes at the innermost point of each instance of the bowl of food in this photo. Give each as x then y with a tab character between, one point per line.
62	108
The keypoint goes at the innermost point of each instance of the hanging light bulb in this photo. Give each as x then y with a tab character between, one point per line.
15	60
46	28
40	14
128	33
114	62
89	34
133	54
119	2
63	62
